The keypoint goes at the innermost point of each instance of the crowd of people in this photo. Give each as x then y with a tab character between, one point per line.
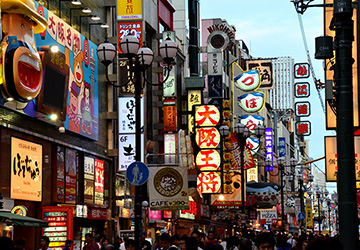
197	241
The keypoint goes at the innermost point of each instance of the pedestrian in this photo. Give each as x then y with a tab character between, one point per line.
182	242
44	243
20	244
265	241
197	235
67	244
90	244
165	242
211	238
130	244
6	243
103	242
282	243
145	244
291	240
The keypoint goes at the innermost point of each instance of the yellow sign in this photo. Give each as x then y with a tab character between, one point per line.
252	173
309	216
194	98
19	210
129	9
26	170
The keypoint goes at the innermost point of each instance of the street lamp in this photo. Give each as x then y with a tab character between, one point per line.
328	201
139	60
242	133
281	173
320	194
303	188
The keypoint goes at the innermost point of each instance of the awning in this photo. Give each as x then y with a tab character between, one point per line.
19	220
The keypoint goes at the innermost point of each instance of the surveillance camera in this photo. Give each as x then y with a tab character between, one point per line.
61	130
145	203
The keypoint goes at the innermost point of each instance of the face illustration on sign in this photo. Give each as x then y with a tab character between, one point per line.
252	102
248	81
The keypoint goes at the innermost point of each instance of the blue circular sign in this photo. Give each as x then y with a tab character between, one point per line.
301	216
137	173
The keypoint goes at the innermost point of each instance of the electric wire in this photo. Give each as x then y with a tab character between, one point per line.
309	61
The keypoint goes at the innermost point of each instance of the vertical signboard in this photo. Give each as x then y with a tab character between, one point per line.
71	167
169	115
170	148
99	182
282	147
269	147
26	170
89	171
194	98
60	225
60	174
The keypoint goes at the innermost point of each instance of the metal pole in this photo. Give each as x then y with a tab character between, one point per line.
242	148
138	189
282	196
346	182
301	200
319	215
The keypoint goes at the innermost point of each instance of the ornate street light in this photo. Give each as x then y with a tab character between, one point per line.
139	60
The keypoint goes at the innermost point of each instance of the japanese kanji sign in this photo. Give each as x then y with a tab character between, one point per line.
301	89
252	102
251	121
127	114
207	137
331	167
209	182
303	128
282	147
265	69
26	170
133	28
215	86
208	160
169	115
301	70
129	9
207	115
248	81
127	149
302	109
269	147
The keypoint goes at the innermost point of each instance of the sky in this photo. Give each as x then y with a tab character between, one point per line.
271	29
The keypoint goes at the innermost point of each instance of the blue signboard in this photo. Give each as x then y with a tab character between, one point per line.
137	173
282	147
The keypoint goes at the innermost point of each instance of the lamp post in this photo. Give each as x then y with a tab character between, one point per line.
303	189
139	60
320	194
328	200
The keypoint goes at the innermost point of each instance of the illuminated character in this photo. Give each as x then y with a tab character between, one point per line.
21	69
86	109
72	109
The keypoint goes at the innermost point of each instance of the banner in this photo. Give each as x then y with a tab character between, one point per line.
168	188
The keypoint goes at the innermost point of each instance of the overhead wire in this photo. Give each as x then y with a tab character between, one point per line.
309	61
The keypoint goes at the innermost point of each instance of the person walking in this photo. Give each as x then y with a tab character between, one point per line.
44	243
67	244
90	244
265	241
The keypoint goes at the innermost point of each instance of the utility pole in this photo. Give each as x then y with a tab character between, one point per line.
346	183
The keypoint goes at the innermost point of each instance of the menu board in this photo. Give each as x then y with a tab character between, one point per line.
60	225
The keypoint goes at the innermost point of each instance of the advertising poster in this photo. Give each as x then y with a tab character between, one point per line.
79	54
26	170
99	182
60	174
129	9
168	188
71	167
60	225
133	27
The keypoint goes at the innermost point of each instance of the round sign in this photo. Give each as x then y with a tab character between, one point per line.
301	216
137	173
19	210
